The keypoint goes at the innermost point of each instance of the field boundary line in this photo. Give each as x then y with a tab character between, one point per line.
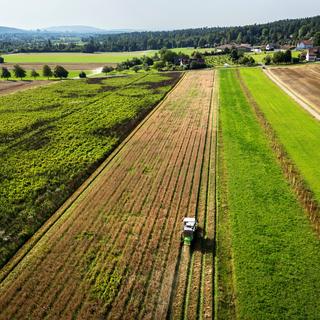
27	247
294	95
291	172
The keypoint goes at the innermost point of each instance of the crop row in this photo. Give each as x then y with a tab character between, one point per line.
275	253
114	252
52	138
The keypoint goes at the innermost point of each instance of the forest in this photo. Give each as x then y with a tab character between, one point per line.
280	32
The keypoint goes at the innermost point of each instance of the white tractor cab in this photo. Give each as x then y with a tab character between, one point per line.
189	230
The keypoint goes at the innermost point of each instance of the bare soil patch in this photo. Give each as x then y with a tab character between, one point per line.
7	87
304	81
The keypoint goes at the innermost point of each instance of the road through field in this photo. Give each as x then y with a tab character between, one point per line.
115	252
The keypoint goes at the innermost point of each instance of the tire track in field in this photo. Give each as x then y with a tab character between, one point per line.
99	178
192	296
64	232
105	199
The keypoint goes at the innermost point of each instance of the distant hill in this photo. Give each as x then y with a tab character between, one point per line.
11	30
82	30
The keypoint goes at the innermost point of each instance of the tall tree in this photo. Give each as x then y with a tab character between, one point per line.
34	74
47	72
19	72
5	73
316	39
60	72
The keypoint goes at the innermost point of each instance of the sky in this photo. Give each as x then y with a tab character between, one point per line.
150	14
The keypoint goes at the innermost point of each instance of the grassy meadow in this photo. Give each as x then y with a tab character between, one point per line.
276	255
109	57
296	129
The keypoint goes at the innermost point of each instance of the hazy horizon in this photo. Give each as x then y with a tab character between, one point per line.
149	15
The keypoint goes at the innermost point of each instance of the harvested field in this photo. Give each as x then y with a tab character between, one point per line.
116	250
13	86
303	81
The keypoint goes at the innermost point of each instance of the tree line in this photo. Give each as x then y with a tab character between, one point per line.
279	32
20	73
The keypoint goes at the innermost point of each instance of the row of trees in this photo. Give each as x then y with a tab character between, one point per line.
19	72
239	57
281	57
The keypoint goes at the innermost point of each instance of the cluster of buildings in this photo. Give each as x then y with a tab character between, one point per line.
309	52
312	53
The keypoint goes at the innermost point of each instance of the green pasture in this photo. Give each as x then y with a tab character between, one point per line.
296	129
109	57
258	57
276	255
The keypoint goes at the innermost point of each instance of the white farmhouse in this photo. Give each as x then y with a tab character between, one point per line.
313	54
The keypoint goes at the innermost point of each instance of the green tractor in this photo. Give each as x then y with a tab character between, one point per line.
189	230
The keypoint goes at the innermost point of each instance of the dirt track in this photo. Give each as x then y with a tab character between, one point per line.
302	83
115	251
7	87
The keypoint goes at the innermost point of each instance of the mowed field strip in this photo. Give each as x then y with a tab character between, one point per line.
114	253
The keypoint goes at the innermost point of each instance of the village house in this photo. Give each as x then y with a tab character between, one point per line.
304	45
270	47
245	47
256	49
313	54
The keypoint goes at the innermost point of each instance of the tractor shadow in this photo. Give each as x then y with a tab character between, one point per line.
202	244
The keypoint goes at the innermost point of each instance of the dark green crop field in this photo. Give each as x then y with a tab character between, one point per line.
52	138
276	254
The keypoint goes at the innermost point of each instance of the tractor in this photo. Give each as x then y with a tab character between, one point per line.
189	230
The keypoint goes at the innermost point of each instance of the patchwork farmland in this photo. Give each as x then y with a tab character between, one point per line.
116	249
273	254
228	147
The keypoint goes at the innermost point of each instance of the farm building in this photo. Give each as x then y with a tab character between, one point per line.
270	47
244	47
313	54
256	49
304	44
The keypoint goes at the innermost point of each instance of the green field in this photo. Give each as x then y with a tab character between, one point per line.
218	61
298	132
258	57
109	57
52	138
276	255
73	57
